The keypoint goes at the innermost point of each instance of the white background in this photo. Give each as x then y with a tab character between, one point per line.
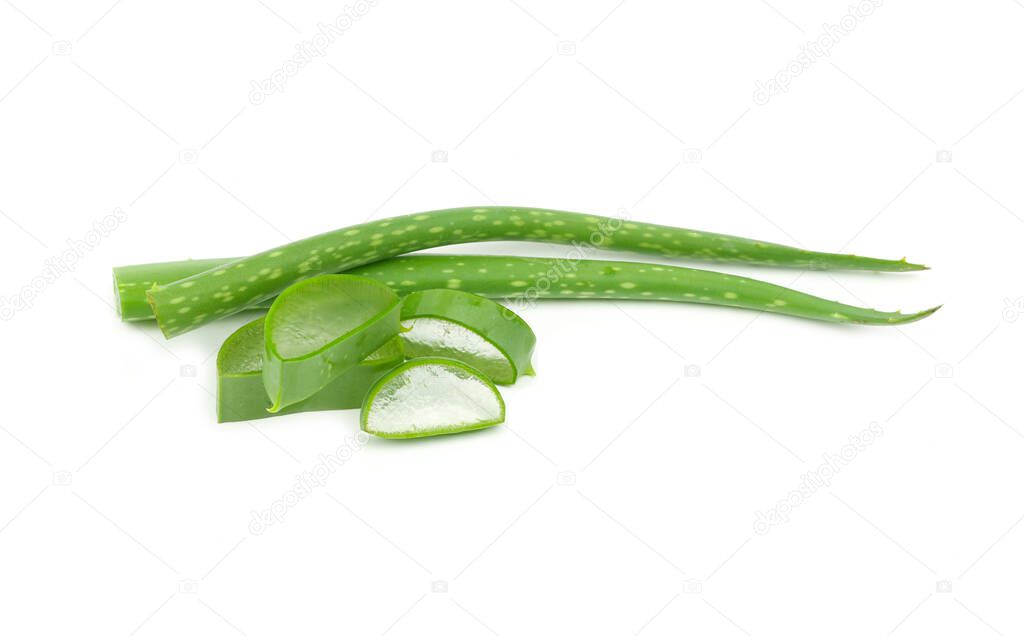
126	509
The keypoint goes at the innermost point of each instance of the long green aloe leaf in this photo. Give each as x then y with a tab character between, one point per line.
524	279
320	328
431	396
470	328
186	304
131	282
240	392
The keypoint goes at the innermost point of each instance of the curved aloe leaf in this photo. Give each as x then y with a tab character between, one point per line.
517	278
320	328
431	396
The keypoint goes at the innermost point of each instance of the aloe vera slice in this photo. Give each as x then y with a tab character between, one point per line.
320	328
240	392
469	328
431	396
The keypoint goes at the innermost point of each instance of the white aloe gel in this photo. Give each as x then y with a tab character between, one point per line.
439	337
429	398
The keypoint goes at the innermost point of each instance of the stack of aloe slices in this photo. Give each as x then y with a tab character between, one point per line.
426	364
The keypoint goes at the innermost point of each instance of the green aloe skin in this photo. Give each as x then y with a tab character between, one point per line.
523	279
226	289
240	392
131	282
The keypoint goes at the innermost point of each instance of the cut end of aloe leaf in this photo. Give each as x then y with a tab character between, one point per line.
431	396
472	329
320	311
321	327
242	396
118	304
439	337
242	351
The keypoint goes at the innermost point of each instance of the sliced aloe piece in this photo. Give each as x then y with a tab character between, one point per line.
320	328
431	396
240	392
470	328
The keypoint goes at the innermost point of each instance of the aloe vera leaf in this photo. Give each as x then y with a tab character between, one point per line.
131	282
469	328
520	280
189	303
431	396
240	392
320	328
524	279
